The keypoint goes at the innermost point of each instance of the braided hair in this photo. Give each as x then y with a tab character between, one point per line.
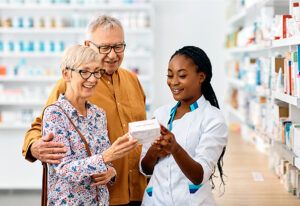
203	64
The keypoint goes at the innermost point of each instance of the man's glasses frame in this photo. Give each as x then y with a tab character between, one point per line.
106	49
87	74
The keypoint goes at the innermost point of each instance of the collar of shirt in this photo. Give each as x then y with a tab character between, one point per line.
71	110
173	111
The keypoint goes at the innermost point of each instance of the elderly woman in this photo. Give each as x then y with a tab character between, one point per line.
82	128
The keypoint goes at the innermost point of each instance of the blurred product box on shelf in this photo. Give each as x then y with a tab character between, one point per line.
296	139
144	131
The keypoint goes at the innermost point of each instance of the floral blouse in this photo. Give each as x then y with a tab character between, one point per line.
69	183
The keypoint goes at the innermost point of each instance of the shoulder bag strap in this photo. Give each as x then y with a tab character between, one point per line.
44	198
86	145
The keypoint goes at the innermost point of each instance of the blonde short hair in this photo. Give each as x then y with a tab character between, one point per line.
104	21
78	55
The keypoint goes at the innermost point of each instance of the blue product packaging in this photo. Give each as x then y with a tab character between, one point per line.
52	46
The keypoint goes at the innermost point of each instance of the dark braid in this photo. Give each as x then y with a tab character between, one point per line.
203	64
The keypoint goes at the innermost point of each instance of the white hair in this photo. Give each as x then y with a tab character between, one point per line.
104	21
77	55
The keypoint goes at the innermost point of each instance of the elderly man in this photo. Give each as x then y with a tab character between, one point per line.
120	94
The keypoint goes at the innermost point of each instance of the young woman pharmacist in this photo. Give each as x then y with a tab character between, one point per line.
182	161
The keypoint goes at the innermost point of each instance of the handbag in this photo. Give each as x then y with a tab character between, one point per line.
44	199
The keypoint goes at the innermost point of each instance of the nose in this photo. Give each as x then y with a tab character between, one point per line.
174	81
92	78
112	54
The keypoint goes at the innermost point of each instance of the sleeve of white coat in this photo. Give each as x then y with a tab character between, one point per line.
144	151
213	140
146	147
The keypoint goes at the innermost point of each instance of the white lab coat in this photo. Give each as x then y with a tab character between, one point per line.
203	134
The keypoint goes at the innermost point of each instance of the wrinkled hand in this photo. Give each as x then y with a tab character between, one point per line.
47	151
121	147
104	177
167	141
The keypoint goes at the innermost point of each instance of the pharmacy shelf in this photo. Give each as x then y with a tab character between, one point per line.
295	40
236	113
65	30
14	126
284	152
286	98
22	103
59	55
76	7
40	79
236	82
262	92
30	55
239	18
248	49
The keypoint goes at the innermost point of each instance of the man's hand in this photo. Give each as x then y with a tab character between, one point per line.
47	151
104	177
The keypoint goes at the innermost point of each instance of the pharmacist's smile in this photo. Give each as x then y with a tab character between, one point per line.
176	90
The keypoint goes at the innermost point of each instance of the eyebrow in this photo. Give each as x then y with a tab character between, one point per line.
88	68
180	70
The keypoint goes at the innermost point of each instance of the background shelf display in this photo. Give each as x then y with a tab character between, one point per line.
264	80
33	37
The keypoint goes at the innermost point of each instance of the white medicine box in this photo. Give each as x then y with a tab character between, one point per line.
144	131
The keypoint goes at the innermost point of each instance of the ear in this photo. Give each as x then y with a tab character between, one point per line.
66	75
202	77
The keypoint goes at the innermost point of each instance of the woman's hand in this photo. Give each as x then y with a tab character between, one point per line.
121	147
157	149
104	177
167	141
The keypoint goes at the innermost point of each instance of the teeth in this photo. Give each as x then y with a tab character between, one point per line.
88	86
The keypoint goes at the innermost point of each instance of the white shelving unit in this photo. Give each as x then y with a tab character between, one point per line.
287	98
256	64
263	138
41	69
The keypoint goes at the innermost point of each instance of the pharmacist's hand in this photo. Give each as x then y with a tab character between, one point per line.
157	149
167	141
104	177
121	147
47	151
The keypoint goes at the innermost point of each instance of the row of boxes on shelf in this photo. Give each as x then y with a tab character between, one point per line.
11	46
24	94
280	74
287	73
131	19
253	72
72	2
267	27
289	175
20	117
53	46
23	69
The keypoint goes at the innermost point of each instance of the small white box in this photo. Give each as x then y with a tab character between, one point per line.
144	131
296	140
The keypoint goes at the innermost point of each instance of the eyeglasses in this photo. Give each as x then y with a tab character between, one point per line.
105	49
86	74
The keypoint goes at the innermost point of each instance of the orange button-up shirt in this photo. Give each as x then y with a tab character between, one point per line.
123	100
